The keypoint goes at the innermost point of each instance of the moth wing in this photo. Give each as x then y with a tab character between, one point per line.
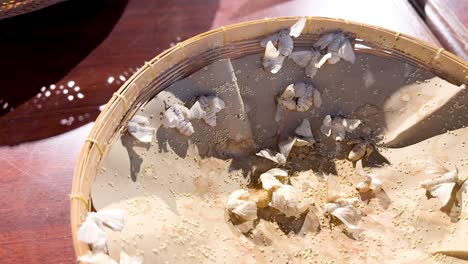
126	259
433	166
304	130
113	218
351	124
443	192
298	27
301	58
91	233
346	51
349	217
326	126
286	146
333	189
271	155
196	111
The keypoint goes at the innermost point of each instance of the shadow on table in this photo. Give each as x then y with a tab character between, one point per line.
40	47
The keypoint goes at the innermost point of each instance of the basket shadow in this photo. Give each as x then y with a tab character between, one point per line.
45	45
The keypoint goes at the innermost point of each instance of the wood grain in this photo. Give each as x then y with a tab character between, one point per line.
90	42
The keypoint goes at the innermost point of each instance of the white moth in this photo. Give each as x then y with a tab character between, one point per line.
361	149
270	179
342	208
92	229
443	185
240	205
206	108
102	258
370	183
336	127
298	97
274	58
96	258
177	116
137	127
126	259
288	201
338	47
307	59
276	157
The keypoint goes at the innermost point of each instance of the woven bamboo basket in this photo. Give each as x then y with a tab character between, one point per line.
231	42
17	7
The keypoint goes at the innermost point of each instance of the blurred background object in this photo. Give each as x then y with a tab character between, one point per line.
11	8
60	64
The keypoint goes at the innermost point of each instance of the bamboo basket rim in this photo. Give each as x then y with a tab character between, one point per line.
440	62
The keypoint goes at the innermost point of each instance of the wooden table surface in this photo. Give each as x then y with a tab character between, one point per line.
58	65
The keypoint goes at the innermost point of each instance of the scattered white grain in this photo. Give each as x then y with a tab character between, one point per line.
80	96
70	97
43	88
39	95
65	91
63	121
70	84
47	93
122	78
76	89
5	105
110	79
52	86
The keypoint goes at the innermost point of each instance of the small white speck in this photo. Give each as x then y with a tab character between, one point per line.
5	105
178	38
63	121
70	84
43	88
76	89
39	106
122	78
80	118
65	91
110	79
80	95
71	119
39	95
57	92
61	87
70	97
52	86
47	93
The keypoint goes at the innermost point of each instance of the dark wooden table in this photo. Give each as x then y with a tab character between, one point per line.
95	46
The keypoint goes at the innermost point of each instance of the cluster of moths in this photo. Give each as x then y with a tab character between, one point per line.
300	97
178	117
205	108
303	137
338	205
336	127
275	193
334	47
92	232
280	45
